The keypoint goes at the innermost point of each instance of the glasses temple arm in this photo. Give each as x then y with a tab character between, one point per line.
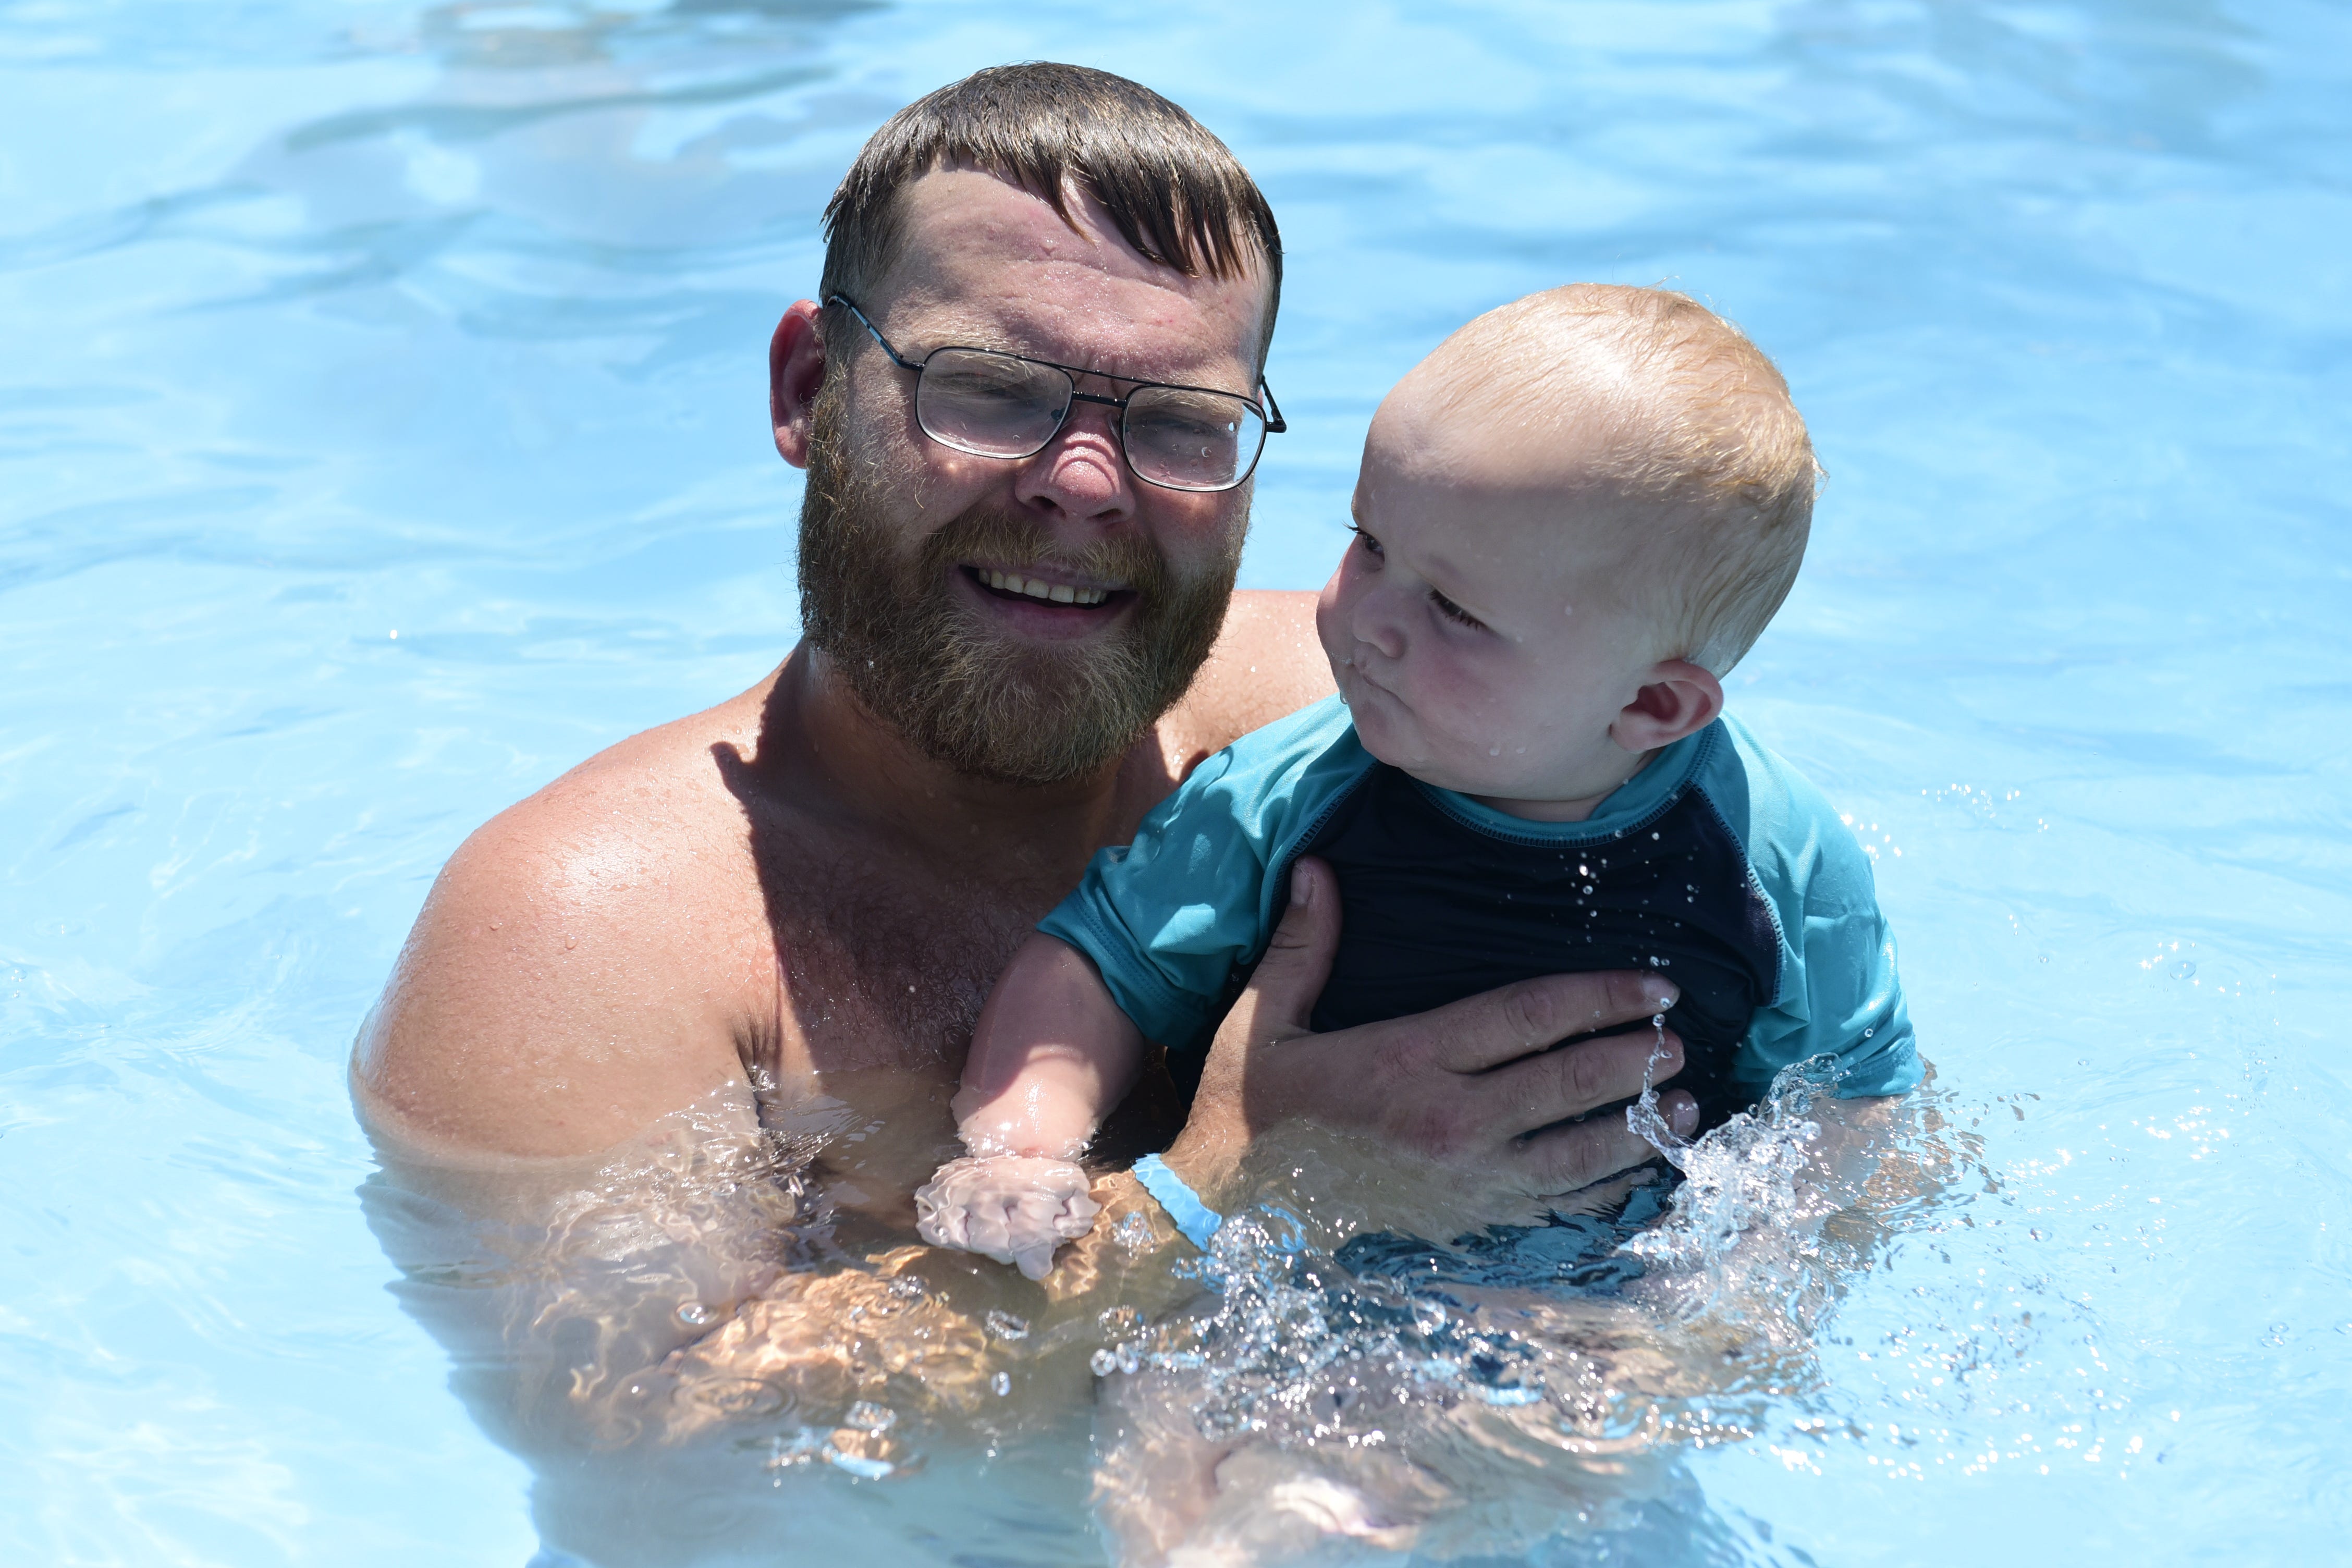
880	342
1274	424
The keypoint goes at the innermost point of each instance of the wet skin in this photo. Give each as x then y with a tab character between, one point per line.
779	889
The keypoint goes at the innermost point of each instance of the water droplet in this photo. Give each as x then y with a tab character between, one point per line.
738	1397
2182	970
1509	1395
867	1416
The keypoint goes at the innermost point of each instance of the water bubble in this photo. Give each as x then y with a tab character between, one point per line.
1507	1393
1129	1357
2182	970
907	1288
1002	1383
1005	1326
738	1398
1102	1363
867	1416
804	1445
695	1315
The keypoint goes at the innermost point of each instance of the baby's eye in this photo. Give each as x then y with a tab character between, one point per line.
1453	612
1368	541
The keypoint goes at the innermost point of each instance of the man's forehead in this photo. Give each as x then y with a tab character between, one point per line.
981	257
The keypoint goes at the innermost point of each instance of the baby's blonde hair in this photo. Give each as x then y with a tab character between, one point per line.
1688	411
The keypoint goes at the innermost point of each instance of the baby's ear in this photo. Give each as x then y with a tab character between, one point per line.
1677	698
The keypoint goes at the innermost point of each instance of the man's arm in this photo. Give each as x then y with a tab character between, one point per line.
563	987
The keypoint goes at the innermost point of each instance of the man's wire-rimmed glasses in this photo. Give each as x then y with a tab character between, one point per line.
992	404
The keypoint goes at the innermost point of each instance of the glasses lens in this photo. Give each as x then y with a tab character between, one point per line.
991	405
1192	440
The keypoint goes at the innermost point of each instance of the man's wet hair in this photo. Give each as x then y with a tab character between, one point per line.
1176	194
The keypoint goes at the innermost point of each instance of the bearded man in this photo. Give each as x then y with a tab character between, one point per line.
1029	399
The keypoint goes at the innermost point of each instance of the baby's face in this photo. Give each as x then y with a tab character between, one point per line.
1482	624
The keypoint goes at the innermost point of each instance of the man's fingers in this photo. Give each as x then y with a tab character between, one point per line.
1503	1024
1569	1082
1567	1158
1298	961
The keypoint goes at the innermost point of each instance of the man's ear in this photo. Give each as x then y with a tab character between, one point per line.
796	371
1675	698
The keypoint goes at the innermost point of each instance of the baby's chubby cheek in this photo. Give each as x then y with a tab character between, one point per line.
1330	621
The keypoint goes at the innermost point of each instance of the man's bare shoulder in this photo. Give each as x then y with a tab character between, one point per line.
578	966
1268	662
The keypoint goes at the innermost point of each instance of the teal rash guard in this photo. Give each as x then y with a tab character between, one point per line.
1716	865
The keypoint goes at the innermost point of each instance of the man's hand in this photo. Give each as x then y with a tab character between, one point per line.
1471	1087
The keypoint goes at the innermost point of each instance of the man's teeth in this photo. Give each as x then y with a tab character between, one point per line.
1052	592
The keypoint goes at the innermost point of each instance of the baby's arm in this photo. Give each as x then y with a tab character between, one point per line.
1052	1055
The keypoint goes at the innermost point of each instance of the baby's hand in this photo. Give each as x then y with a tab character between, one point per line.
1014	1208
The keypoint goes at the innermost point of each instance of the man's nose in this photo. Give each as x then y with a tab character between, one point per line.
1081	474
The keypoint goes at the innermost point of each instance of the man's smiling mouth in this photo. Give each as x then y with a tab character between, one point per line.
1016	584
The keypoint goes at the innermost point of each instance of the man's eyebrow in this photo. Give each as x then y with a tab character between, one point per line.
1030	341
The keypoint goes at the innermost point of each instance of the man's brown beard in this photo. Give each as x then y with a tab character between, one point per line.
985	705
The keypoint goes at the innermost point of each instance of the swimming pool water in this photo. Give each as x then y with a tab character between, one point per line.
382	432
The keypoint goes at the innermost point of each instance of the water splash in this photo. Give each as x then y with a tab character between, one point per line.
1743	1179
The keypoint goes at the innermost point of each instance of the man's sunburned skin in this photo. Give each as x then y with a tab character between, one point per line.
841	959
782	890
885	949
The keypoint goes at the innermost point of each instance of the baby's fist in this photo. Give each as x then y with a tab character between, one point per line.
1014	1208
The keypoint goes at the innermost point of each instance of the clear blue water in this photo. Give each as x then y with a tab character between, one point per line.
382	432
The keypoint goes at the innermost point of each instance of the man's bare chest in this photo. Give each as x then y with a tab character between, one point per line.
882	960
878	966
